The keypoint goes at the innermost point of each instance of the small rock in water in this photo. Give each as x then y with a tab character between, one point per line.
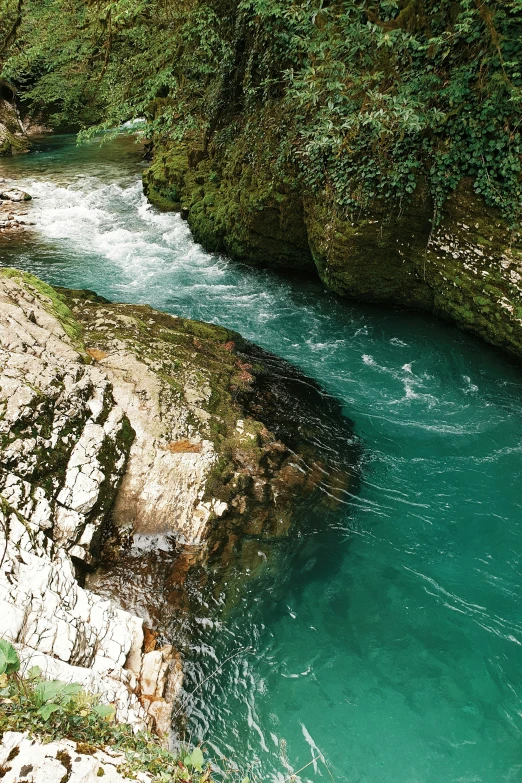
15	194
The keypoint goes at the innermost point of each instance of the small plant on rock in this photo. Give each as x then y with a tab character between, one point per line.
53	710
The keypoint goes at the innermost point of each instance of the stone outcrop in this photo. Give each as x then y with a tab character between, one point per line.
24	759
121	425
13	137
10	193
64	446
232	208
373	259
467	269
13	208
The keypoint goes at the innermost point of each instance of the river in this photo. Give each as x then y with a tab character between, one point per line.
394	649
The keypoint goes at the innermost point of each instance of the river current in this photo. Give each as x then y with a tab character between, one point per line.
389	644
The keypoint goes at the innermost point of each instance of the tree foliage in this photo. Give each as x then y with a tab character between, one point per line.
362	97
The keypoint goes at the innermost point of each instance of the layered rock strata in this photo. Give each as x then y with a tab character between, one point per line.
64	446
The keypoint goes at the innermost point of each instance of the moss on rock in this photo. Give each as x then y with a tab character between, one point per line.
467	270
474	266
163	181
13	139
373	258
230	207
54	303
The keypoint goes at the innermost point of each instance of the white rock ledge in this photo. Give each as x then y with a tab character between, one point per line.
66	432
23	759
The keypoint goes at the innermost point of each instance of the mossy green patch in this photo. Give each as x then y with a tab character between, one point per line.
375	257
230	206
54	303
163	181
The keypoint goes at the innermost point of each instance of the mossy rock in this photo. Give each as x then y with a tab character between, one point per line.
373	258
466	270
55	304
163	181
12	138
250	215
474	266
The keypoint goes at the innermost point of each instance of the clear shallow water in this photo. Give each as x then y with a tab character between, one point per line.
392	643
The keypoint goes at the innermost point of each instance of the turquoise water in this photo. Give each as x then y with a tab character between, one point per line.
390	645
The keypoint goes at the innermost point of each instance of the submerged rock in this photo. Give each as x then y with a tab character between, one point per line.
126	432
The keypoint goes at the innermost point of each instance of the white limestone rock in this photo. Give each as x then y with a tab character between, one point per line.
64	445
25	759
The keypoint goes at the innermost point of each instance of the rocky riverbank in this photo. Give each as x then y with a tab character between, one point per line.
123	425
466	269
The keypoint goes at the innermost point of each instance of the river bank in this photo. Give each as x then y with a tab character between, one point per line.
120	425
465	268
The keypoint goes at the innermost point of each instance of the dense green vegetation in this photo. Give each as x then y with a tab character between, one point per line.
358	96
362	97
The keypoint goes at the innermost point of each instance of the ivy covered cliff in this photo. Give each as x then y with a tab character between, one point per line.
376	142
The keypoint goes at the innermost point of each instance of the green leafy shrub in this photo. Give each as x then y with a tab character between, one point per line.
9	661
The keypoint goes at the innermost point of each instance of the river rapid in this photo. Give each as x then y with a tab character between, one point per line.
388	640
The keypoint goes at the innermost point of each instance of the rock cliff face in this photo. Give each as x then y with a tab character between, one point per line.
64	446
231	207
466	270
120	425
13	137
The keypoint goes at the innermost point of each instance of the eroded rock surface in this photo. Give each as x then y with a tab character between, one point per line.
120	425
65	443
13	137
466	269
22	758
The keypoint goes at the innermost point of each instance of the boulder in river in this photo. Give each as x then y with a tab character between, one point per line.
14	194
9	195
